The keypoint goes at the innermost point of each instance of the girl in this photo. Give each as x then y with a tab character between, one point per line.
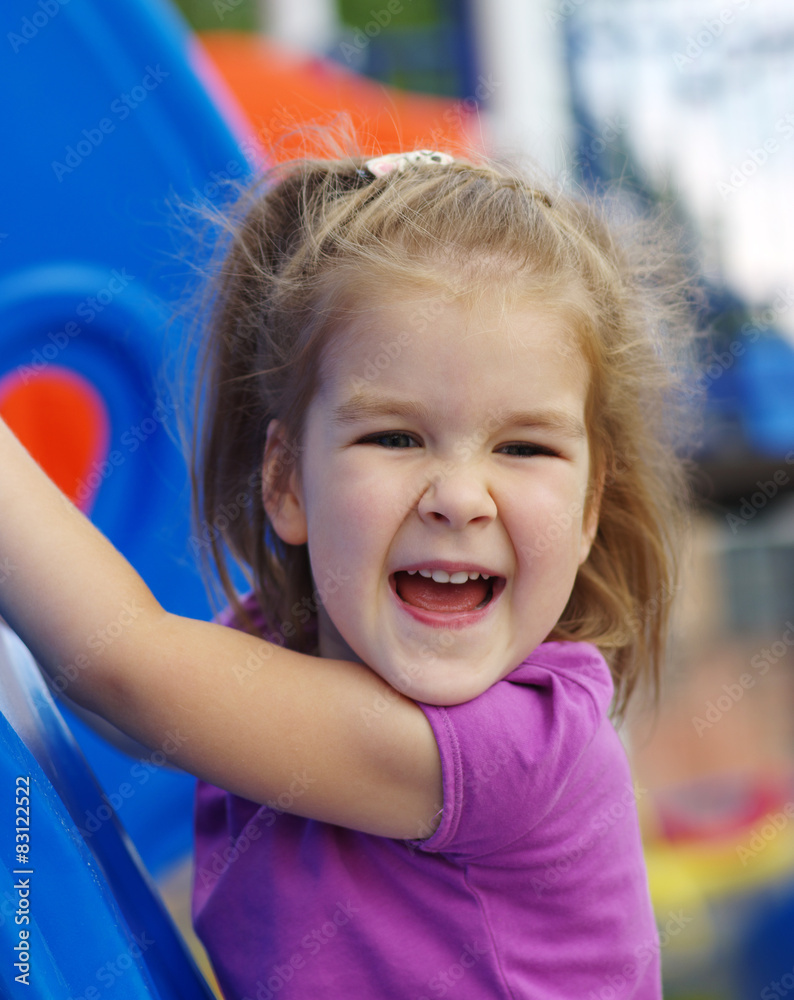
454	392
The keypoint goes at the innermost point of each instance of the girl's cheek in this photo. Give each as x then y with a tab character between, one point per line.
553	530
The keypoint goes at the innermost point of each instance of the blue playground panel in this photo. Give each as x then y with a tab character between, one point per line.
106	125
78	916
766	383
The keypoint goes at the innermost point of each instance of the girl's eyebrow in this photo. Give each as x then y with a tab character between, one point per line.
362	406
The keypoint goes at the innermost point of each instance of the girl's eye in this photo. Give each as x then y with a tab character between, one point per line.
523	449
391	439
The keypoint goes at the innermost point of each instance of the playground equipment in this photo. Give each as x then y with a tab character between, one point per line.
78	914
107	127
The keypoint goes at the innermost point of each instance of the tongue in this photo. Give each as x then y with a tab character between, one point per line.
424	593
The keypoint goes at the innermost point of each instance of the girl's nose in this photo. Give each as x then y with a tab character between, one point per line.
457	498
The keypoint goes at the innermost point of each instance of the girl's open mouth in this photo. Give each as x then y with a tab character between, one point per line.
446	598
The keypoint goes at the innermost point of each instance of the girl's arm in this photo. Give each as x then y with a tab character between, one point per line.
240	712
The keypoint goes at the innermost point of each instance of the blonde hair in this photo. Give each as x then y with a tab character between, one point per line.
313	237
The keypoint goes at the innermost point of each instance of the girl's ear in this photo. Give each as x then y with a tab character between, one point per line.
284	506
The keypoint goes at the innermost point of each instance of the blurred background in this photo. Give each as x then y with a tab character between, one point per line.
122	121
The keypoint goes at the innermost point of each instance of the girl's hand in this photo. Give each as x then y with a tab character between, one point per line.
250	716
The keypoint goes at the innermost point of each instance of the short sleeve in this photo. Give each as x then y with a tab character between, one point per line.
507	755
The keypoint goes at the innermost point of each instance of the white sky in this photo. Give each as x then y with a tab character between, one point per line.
701	86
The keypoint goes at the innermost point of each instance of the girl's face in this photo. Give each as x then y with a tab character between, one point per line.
452	445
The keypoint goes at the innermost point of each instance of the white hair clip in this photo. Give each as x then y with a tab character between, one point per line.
382	165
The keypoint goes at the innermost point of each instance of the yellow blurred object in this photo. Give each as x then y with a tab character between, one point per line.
693	878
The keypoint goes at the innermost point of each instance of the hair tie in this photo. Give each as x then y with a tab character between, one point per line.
380	166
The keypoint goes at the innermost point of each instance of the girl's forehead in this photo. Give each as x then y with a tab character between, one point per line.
409	317
452	348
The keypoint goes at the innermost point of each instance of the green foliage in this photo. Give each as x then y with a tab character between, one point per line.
355	13
220	15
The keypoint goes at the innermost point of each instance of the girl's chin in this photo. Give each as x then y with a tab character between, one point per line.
442	682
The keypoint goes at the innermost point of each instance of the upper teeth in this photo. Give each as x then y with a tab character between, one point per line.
441	575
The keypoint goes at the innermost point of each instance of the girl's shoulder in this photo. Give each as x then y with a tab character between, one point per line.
538	740
565	664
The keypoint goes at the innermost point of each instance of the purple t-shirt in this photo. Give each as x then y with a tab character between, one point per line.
532	886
